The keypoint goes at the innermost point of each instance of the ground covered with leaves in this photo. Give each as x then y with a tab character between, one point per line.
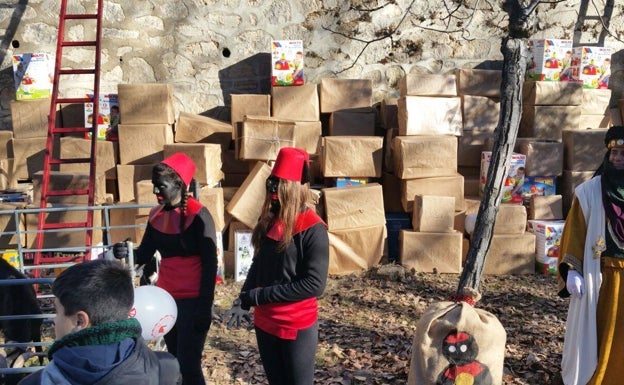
367	323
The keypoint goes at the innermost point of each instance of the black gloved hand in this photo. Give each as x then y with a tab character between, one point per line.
237	316
250	298
203	317
120	250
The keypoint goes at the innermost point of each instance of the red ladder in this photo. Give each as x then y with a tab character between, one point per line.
54	133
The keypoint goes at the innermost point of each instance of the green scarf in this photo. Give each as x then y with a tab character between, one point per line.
104	334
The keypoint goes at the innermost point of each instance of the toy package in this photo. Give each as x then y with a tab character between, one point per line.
551	59
591	66
108	115
287	63
547	243
33	74
514	182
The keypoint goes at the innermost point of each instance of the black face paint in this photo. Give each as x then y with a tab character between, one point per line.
167	193
272	185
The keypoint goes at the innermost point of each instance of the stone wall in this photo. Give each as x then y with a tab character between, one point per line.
209	49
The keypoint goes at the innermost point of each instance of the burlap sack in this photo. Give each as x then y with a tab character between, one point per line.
455	343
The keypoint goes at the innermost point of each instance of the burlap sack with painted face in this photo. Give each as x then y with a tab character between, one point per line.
457	344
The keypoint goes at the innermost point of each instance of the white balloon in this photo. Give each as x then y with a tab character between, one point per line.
156	311
469	223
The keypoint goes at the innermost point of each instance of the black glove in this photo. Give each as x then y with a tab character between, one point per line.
251	298
203	318
120	250
237	315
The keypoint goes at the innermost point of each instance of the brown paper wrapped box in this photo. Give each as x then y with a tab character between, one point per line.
296	103
478	82
72	114
352	156
441	186
470	146
207	159
546	207
262	137
128	175
426	115
6	147
30	118
433	214
431	252
592	122
346	95
583	150
428	85
480	113
146	103
424	156
345	123
545	93
63	238
389	113
511	254
471	185
106	158
145	196
232	228
9	239
595	101
143	143
391	193
510	219
246	204
122	216
355	250
69	181
192	128
28	155
212	198
542	157
308	136
356	206
547	122
248	105
569	180
8	179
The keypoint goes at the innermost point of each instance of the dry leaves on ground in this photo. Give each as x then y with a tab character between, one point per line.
367	323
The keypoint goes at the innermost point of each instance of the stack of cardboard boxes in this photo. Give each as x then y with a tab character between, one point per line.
351	155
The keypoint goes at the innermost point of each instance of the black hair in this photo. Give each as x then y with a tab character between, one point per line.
101	288
166	171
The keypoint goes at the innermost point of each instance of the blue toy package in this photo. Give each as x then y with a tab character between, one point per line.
538	186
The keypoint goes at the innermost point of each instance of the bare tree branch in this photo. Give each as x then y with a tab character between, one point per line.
387	35
604	25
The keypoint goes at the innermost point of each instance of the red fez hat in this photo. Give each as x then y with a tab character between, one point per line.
292	164
182	165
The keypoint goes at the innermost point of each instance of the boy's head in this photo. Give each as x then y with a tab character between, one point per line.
91	293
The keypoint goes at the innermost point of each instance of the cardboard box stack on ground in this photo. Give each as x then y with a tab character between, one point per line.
583	153
357	227
549	108
147	117
479	91
434	245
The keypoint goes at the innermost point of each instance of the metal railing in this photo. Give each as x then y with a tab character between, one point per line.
20	237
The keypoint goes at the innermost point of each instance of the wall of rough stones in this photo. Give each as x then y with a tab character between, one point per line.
209	49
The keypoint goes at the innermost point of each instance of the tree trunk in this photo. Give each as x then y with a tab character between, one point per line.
515	54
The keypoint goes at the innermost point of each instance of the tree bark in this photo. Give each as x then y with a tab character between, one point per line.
515	54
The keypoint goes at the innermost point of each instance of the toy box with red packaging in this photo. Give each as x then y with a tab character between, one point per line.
287	63
538	186
551	59
547	244
514	182
591	66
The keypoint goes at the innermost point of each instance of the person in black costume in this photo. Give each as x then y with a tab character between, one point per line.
183	231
